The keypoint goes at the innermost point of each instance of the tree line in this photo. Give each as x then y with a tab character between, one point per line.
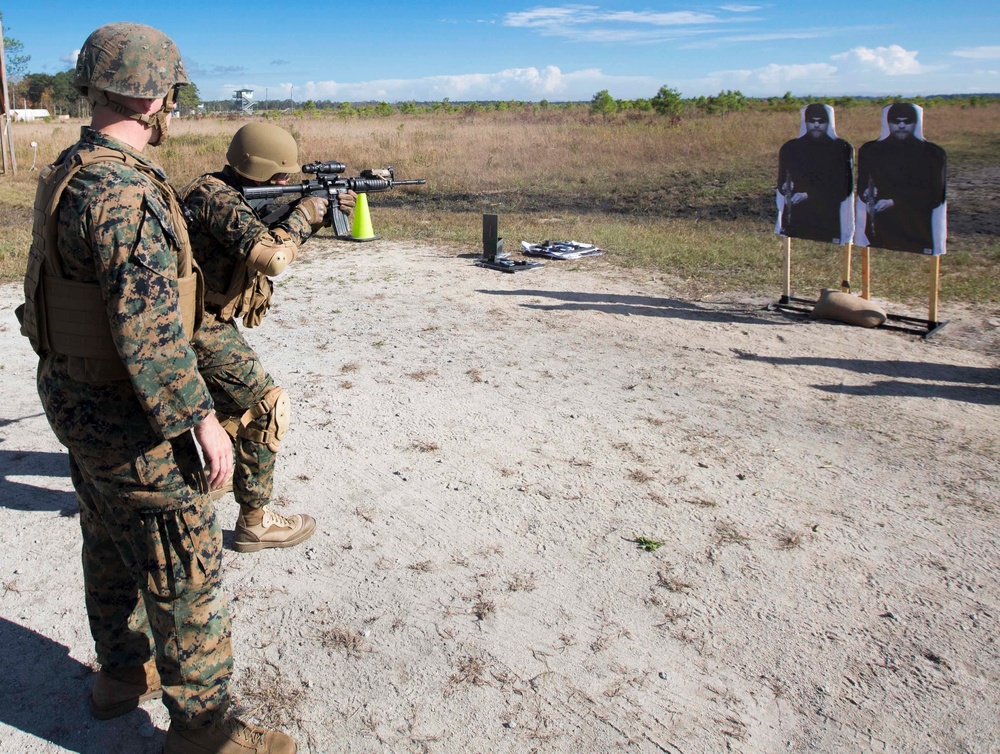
56	94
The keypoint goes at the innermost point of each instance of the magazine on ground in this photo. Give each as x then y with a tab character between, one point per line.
504	263
560	249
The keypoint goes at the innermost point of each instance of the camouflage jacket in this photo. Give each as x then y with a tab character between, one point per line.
224	228
115	230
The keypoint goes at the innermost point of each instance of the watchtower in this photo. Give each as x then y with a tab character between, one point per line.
244	98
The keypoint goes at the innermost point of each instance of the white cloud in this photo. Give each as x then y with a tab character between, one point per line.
557	20
889	61
741	8
763	36
859	71
590	23
979	53
70	59
774	78
529	83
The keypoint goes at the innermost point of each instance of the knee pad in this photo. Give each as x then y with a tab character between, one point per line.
265	423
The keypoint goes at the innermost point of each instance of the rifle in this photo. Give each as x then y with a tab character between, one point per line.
327	184
870	197
787	191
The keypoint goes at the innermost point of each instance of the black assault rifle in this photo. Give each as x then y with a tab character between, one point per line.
787	191
327	184
870	196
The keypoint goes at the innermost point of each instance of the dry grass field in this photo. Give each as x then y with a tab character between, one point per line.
693	200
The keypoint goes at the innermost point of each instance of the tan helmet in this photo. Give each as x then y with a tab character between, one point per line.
129	59
261	150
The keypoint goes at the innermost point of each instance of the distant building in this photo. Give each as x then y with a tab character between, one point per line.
27	114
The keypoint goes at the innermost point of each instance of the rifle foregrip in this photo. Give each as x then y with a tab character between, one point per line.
368	185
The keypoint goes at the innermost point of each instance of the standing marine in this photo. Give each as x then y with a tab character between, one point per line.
111	301
239	254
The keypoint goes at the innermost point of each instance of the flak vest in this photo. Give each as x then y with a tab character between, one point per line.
248	294
69	317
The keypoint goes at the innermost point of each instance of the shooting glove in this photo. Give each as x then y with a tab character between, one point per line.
314	210
346	202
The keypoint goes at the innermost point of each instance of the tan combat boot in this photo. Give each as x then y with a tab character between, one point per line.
119	690
263	528
228	736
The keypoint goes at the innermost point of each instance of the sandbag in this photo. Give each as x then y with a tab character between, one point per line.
845	307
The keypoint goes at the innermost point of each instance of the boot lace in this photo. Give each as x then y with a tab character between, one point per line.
273	518
239	729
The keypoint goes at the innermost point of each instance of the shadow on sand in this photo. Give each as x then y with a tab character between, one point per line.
44	695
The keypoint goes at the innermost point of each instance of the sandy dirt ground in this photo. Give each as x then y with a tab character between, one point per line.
568	510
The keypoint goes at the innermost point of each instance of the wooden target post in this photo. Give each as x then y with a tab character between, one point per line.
787	300
909	324
788	270
845	280
866	279
932	305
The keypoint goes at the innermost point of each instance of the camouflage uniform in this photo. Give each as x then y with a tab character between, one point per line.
152	548
224	228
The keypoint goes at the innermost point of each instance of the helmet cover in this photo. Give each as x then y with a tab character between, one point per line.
129	59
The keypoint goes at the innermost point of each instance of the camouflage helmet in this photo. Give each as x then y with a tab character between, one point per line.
129	59
259	151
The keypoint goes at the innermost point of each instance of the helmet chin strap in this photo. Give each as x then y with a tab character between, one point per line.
157	121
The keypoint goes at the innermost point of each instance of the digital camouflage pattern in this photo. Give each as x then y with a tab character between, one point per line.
238	381
129	59
115	228
223	229
142	521
152	547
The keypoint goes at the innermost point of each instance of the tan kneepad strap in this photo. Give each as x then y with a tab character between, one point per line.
267	422
230	423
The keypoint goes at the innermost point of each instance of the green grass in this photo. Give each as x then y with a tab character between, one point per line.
648	544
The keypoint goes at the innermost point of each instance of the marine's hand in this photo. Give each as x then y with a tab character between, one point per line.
217	449
314	208
883	204
346	202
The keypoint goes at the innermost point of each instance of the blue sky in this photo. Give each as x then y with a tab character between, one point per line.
398	51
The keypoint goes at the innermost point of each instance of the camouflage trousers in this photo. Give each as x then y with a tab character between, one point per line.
152	556
237	382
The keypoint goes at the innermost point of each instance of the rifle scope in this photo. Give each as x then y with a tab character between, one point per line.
324	167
